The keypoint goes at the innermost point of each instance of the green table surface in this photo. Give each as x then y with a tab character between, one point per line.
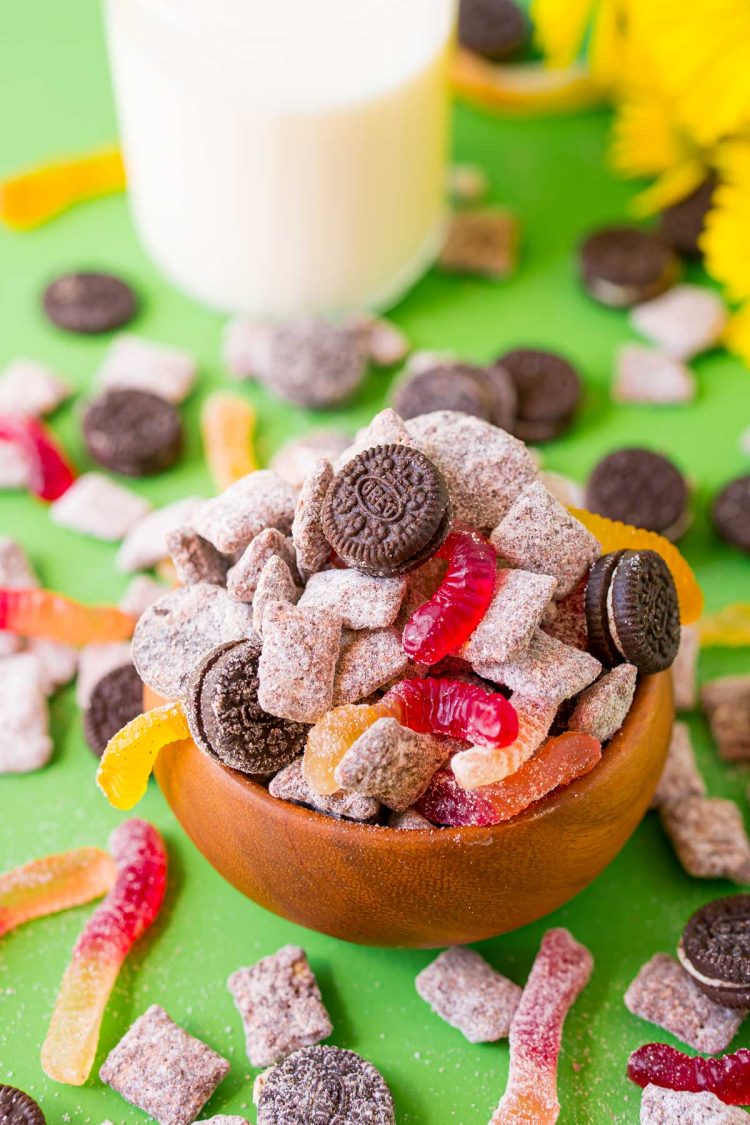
56	98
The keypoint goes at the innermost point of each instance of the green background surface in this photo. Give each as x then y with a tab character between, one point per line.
56	98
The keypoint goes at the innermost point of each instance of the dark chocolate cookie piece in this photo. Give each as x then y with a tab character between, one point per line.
715	950
89	303
226	720
115	700
548	390
622	266
449	386
644	618
496	29
385	509
132	432
681	225
731	513
17	1108
325	1086
640	488
601	644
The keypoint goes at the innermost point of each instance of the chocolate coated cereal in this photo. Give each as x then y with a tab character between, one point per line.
466	992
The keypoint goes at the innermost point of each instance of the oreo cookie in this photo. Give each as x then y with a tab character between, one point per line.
89	303
496	29
387	510
681	225
632	612
548	391
641	488
132	432
325	1086
450	386
715	950
226	720
116	699
731	513
17	1108
622	266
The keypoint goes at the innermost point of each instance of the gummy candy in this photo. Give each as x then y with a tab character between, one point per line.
331	737
107	938
559	974
50	475
32	198
443	623
481	765
31	612
729	628
455	708
559	761
228	424
616	536
129	758
728	1077
54	883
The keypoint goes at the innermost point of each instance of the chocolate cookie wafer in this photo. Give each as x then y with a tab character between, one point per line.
641	488
622	266
548	390
89	303
715	950
132	432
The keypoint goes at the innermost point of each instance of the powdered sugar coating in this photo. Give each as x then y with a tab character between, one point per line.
297	458
298	661
602	708
708	835
663	993
684	669
25	744
312	547
726	702
381	340
324	1084
660	1106
565	620
141	592
392	763
97	506
146	543
245	348
57	662
368	659
255	502
680	776
682	322
243	577
466	992
280	1004
386	428
408	821
275	584
515	611
134	363
289	785
565	490
195	559
547	671
649	376
31	388
360	600
15	470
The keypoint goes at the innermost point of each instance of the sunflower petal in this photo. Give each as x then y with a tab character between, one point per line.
560	28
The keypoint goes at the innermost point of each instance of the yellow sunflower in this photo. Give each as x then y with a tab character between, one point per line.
726	240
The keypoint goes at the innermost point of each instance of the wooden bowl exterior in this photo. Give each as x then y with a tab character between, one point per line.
423	888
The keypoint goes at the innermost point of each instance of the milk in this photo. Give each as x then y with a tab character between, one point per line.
285	155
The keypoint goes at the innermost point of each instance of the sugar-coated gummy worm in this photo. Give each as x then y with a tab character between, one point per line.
331	737
50	475
129	757
54	883
482	765
31	198
443	623
659	1064
130	908
228	425
559	974
31	612
454	708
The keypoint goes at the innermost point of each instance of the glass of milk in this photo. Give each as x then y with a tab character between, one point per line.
285	155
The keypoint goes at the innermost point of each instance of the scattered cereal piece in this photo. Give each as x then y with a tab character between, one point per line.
308	361
297	458
280	1004
224	1119
386	428
708	835
649	376
392	763
660	1106
566	621
15	470
28	387
540	535
95	662
146	543
484	243
680	776
665	995
97	506
162	1070
469	994
57	662
467	183
245	347
408	821
361	601
368	660
382	340
515	611
485	468
134	363
25	744
141	592
684	669
195	559
602	708
547	671
275	583
566	491
290	785
684	321
726	702
298	661
312	547
255	503
242	580
325	1083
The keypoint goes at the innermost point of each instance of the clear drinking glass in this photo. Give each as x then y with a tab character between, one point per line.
285	155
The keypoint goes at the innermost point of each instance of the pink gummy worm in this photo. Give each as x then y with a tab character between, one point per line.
727	1077
560	972
442	624
456	709
49	473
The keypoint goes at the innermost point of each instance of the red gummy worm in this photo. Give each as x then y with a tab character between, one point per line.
457	709
727	1077
442	624
49	472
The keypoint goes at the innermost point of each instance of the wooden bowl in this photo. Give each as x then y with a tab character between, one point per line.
422	888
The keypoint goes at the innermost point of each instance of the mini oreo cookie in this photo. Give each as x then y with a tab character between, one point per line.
226	720
600	641
132	432
622	266
17	1108
641	488
387	510
681	225
548	390
731	513
496	29
450	386
325	1086
89	303
715	950
115	700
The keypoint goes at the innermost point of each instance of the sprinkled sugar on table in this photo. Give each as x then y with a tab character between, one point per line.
552	174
